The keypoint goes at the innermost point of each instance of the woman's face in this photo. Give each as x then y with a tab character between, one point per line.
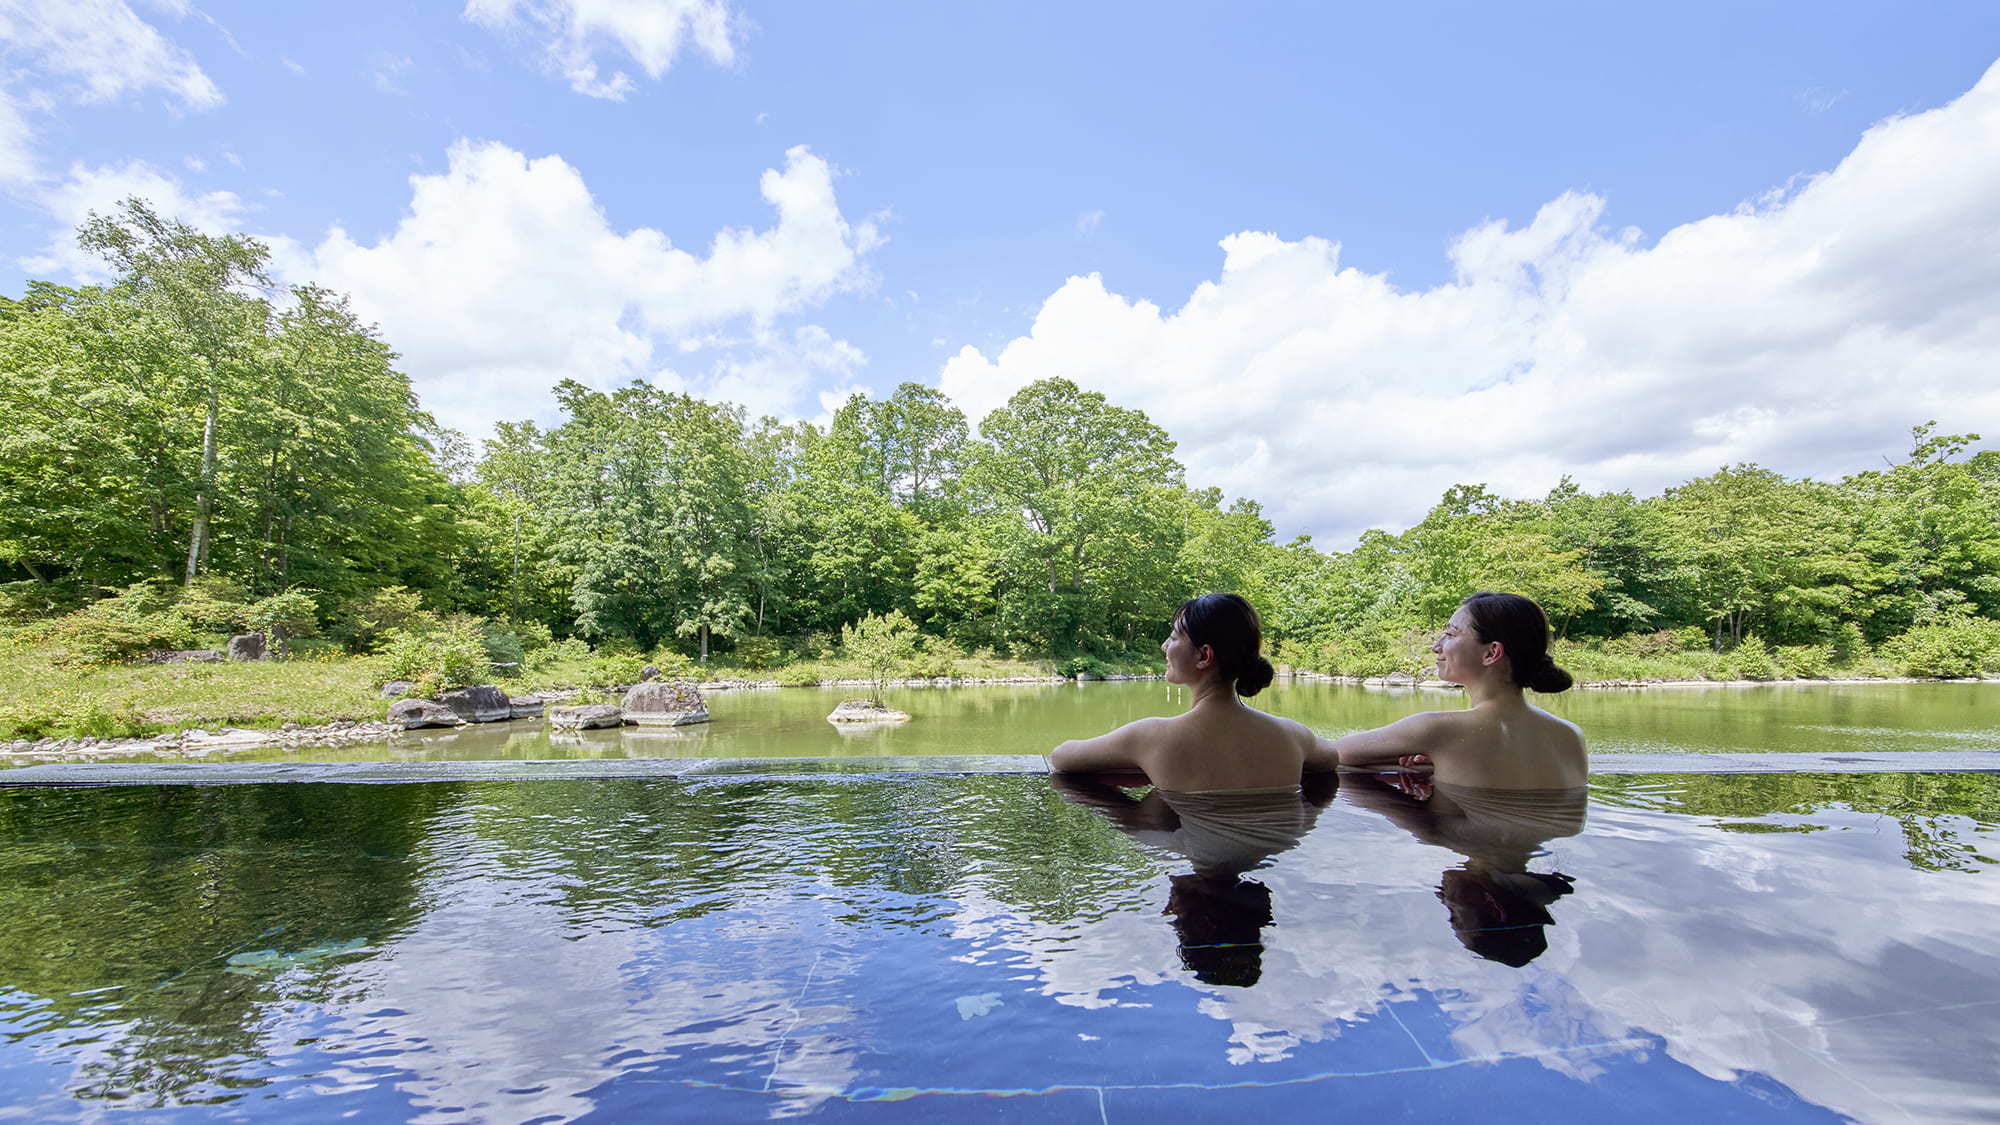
1183	656
1462	657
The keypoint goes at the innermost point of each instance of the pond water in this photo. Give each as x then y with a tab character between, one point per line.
791	722
1787	948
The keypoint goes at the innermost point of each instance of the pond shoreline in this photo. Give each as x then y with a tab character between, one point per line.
196	743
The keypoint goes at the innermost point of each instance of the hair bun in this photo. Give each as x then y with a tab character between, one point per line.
1256	677
1550	677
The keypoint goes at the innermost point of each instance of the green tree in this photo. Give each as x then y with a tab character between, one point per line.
1089	492
881	643
194	283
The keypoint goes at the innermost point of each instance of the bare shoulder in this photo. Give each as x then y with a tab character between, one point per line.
1128	747
1292	728
1567	729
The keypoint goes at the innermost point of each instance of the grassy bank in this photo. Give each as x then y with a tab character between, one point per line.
40	697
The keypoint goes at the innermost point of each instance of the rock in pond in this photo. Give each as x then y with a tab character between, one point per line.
413	713
526	706
664	705
394	688
591	716
247	646
483	704
866	711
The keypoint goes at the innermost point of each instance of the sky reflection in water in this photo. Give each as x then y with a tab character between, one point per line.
1770	948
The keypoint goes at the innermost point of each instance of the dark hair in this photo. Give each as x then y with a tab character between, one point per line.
1227	624
1523	632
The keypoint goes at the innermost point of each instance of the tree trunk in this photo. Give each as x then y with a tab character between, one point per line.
704	644
204	499
514	587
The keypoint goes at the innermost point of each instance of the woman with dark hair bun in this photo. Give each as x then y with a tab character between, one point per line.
1221	743
1495	645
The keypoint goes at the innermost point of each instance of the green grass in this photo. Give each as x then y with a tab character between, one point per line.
39	698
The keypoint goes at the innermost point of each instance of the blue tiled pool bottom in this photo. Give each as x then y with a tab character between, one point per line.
1795	947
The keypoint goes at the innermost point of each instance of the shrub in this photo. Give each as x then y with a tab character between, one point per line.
449	656
31	600
938	656
1805	662
1850	644
1080	666
533	635
1692	638
373	616
1965	647
294	613
122	627
503	647
215	605
759	652
673	665
1751	660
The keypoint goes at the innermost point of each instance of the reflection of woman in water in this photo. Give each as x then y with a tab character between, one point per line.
1221	742
1218	915
1495	645
1497	906
1226	785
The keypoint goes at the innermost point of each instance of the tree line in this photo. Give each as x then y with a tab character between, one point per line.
186	423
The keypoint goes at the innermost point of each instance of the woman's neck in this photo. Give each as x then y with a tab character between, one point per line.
1493	692
1211	694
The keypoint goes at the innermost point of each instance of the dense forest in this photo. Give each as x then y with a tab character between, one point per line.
185	447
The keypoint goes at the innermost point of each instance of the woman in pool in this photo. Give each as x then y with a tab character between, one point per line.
1495	645
1221	743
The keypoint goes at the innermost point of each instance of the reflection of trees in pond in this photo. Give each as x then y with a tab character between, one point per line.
126	905
182	920
1927	806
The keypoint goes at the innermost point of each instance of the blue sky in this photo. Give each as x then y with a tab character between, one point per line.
966	171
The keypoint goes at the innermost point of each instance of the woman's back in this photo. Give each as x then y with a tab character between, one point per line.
1509	747
1227	747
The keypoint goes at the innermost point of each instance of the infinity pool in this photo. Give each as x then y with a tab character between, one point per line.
1784	948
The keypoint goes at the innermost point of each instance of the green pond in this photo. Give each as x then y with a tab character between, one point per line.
1029	719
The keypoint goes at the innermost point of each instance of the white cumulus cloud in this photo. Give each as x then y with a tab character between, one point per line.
505	276
100	51
1807	330
651	33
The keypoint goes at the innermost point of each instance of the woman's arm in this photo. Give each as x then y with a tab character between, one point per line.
1414	734
1126	748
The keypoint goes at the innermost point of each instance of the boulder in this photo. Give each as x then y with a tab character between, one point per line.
394	688
483	704
866	711
649	673
413	713
247	646
591	716
526	706
1400	679
666	704
184	656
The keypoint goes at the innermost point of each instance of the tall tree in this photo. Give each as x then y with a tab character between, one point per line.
207	288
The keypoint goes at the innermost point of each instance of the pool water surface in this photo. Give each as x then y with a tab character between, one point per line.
1772	948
